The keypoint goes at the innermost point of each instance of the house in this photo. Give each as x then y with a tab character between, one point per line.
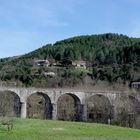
135	85
79	64
52	62
49	74
42	63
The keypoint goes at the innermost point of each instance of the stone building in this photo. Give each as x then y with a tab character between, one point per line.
135	85
42	63
79	64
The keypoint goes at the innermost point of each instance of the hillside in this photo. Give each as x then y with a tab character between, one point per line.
109	58
29	129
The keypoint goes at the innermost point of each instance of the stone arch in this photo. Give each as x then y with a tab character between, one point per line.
127	110
99	109
10	104
39	106
69	107
136	104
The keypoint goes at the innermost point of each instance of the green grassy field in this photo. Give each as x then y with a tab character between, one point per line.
29	129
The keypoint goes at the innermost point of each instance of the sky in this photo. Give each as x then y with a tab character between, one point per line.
26	25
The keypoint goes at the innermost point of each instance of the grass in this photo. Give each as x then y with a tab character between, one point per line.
29	129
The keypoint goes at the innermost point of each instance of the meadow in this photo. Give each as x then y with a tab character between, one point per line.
34	129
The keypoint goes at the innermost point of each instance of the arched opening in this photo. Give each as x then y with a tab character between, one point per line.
39	106
99	109
69	108
128	111
10	104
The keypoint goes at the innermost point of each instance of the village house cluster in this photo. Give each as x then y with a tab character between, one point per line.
50	63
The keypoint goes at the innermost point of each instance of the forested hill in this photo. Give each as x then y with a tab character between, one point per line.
116	54
104	49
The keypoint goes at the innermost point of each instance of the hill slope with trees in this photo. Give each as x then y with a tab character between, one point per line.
110	58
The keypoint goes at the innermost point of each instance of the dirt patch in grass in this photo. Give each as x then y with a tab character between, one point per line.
58	129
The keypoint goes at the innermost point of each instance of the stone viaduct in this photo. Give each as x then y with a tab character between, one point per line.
81	95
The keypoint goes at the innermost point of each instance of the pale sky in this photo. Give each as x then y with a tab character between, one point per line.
26	25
